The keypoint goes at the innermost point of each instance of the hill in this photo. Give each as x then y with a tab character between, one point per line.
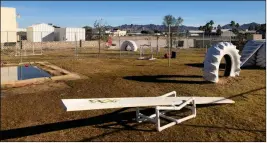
152	27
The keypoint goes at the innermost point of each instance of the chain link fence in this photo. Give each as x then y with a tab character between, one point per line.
78	44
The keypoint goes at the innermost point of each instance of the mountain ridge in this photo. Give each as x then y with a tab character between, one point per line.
151	27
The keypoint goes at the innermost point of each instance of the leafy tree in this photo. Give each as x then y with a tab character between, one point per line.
262	30
169	20
145	32
88	32
219	30
232	24
250	27
235	27
263	27
179	21
156	31
207	28
211	23
257	27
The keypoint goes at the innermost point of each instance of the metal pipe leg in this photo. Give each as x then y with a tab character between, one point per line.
157	119
138	115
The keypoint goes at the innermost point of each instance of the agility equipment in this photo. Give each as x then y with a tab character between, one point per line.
254	53
129	45
141	50
162	104
213	58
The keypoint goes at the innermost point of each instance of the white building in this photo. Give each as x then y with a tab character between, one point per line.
195	32
8	25
40	33
119	33
69	34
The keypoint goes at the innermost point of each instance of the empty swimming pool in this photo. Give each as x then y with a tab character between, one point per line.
15	73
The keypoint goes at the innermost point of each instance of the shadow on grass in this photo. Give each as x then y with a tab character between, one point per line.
158	79
201	65
223	128
222	66
252	68
122	119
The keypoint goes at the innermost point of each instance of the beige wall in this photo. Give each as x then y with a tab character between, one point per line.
8	25
254	37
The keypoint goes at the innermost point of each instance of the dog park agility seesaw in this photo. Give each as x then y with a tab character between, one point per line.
162	104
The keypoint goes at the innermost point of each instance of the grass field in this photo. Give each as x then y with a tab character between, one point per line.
35	113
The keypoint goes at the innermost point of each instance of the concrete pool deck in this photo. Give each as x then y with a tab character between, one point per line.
58	74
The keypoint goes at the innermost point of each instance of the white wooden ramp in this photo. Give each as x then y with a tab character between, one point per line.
164	102
107	103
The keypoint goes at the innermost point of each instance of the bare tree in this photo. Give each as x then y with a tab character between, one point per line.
169	21
179	22
100	26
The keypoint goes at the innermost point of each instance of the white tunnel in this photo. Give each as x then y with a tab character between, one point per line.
129	45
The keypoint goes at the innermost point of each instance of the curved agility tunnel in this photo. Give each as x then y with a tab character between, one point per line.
129	45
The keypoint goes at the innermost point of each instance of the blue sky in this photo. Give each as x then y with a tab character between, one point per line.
78	14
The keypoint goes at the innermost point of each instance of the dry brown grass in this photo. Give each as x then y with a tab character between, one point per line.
36	113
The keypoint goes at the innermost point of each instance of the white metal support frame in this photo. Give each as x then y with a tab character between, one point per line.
161	110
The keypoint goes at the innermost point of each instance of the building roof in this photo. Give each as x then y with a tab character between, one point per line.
196	31
8	7
40	24
21	30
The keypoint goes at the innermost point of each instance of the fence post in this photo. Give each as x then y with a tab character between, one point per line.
210	39
20	51
187	42
120	45
157	45
76	52
7	36
230	36
33	45
42	43
203	41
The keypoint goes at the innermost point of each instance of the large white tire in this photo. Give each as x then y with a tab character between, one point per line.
129	45
214	57
261	56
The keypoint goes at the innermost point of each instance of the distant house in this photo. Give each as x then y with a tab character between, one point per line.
246	31
40	33
227	33
119	33
195	32
134	33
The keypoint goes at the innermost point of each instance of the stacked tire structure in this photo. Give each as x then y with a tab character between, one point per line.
213	58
